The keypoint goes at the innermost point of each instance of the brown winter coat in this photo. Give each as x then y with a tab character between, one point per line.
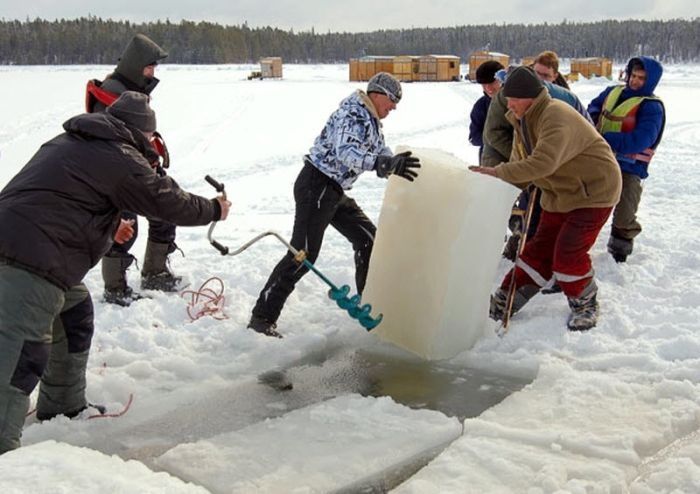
569	160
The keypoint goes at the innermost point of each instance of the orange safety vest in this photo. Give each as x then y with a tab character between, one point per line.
95	93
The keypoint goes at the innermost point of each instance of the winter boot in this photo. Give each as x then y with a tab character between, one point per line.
584	309
84	412
620	248
155	274
114	275
499	300
62	389
263	326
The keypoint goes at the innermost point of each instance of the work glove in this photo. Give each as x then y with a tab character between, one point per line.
124	232
401	164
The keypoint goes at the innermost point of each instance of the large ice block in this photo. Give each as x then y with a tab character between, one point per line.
438	245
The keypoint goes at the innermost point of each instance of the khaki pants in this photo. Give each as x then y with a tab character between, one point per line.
624	223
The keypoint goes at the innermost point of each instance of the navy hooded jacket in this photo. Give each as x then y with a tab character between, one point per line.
649	124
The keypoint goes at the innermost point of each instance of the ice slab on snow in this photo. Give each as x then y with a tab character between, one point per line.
51	467
436	254
321	448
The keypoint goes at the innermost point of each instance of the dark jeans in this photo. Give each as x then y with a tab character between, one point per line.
320	202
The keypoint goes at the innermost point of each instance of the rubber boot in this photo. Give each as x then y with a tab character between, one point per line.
114	275
155	274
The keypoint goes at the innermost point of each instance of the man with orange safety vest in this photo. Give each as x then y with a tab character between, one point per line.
631	119
136	72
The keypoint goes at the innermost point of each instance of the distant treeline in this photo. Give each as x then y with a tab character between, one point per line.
91	40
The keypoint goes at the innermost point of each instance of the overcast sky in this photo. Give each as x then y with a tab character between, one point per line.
354	15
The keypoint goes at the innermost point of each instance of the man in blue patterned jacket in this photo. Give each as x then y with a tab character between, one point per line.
350	144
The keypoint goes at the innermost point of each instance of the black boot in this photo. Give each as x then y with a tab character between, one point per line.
263	326
499	299
620	248
155	274
114	275
584	309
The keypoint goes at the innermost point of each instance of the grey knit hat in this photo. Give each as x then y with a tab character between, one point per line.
385	83
132	108
522	82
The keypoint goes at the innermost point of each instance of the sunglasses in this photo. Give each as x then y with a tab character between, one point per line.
389	94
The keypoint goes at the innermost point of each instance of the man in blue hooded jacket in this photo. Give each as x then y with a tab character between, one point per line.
631	119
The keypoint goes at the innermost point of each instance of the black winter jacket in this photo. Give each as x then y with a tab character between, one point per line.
58	215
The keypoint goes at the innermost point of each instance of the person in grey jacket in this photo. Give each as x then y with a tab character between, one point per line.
59	216
350	144
136	72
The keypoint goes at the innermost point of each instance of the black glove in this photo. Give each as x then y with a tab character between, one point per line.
401	164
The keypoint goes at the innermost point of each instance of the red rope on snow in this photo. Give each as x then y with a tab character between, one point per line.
206	301
115	414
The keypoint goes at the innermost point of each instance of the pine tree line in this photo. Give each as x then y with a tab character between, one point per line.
92	40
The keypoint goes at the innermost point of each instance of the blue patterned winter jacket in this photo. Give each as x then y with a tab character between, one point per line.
350	142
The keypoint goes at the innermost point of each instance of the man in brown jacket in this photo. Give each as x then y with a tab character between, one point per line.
560	152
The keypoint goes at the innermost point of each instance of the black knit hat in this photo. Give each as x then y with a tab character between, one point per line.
132	108
522	82
485	73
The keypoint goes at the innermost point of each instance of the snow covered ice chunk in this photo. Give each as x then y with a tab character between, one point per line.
320	448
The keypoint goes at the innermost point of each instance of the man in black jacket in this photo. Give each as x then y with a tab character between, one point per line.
62	388
59	216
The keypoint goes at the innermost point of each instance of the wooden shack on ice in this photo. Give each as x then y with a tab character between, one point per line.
438	68
362	69
479	57
407	68
271	67
592	67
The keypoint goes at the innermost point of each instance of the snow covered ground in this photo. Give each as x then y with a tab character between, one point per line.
613	410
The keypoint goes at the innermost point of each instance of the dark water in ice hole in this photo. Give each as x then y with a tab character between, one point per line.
453	390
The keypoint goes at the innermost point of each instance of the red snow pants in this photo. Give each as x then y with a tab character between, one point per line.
559	249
